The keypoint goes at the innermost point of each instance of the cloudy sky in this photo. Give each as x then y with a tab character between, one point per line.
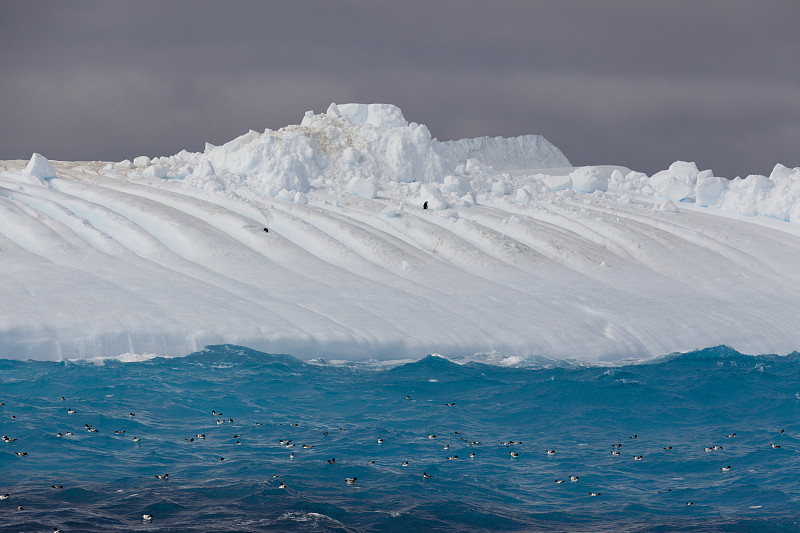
635	83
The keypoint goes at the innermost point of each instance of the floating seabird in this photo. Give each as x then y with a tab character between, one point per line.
119	432
372	462
616	445
561	481
189	439
426	476
331	461
668	448
20	508
380	441
725	468
71	411
689	503
325	434
165	476
731	435
21	454
135	439
446	447
282	485
431	436
594	494
515	454
5	496
637	457
633	437
472	455
8	439
405	463
237	436
222	459
573	478
201	435
291	457
147	517
453	458
774	446
131	414
551	452
457	433
215	413
717	447
92	430
350	480
408	397
614	452
308	446
63	399
57	486
708	448
451	404
68	433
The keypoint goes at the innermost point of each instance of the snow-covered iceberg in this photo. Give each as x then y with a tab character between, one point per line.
356	235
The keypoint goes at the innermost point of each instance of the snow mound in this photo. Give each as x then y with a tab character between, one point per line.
352	148
38	169
502	154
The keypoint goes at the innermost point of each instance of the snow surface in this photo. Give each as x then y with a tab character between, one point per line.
518	253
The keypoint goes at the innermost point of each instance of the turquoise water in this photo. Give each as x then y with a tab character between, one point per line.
689	402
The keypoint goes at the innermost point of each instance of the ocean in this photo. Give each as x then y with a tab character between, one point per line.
231	439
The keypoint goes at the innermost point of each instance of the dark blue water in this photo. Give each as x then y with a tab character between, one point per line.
688	402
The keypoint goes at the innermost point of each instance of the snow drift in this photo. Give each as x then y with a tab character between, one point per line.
355	235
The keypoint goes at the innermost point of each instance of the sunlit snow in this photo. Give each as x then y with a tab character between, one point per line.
517	253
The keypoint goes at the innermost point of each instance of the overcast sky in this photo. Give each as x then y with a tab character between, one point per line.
634	83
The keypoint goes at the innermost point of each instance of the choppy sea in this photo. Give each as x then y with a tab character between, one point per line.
258	442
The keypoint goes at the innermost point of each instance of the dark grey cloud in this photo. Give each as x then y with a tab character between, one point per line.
627	82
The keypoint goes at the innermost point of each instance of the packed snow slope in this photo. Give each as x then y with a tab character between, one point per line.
517	252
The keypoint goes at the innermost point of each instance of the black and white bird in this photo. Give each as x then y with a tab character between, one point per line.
350	480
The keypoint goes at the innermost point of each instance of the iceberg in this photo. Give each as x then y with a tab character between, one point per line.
314	239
